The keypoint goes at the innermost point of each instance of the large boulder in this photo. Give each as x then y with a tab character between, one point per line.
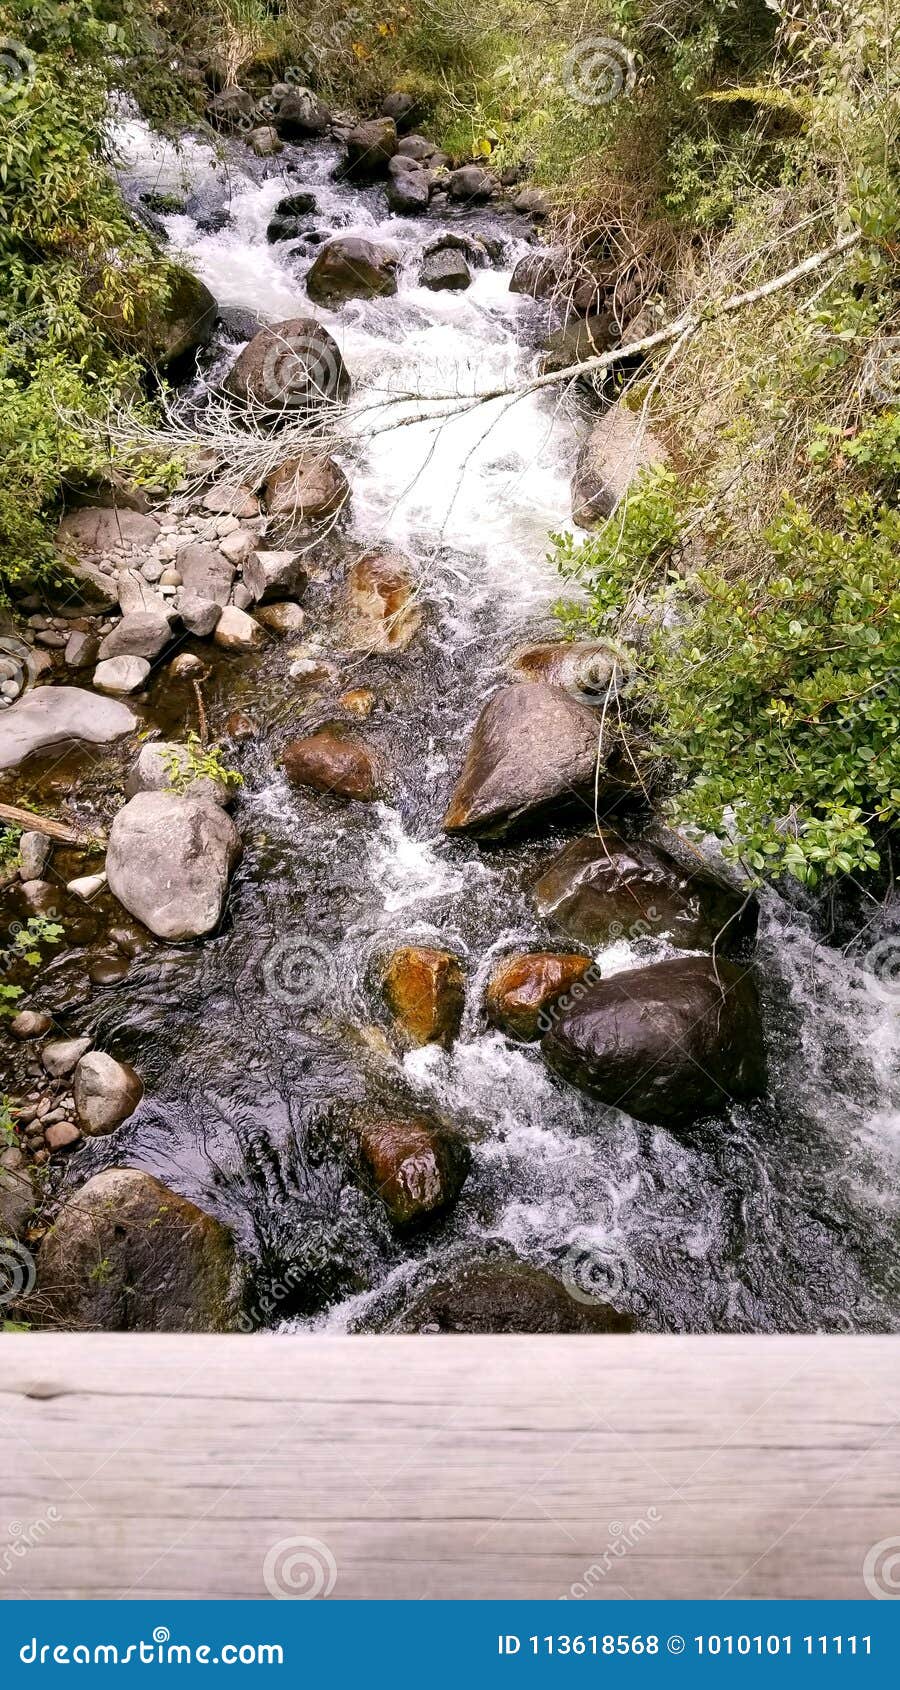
126	1254
166	333
294	365
540	274
370	148
580	339
350	267
305	489
409	192
403	108
383	613
471	185
667	1044
586	668
121	675
301	113
106	1092
423	988
524	988
534	750
275	575
141	634
231	109
417	1167
169	860
614	454
337	761
164	765
602	887
445	270
205	573
97	543
50	717
501	1295
17	1195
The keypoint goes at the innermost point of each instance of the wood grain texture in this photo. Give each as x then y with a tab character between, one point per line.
449	1467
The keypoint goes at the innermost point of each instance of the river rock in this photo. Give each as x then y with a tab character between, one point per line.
144	634
580	339
265	141
285	618
61	1056
236	501
300	204
533	751
121	675
541	274
416	147
382	612
602	887
308	488
137	597
301	113
403	108
409	191
106	1092
30	1024
34	855
424	991
418	1167
522	991
169	860
231	109
471	184
97	542
614	454
370	147
502	1295
668	1044
236	631
533	202
445	269
205	574
161	762
350	267
335	760
199	615
81	650
166	1266
294	365
16	1193
585	668
86	886
275	575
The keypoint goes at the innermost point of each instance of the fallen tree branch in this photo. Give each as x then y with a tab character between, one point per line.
64	835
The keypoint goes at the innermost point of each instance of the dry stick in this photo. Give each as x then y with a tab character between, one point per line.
52	829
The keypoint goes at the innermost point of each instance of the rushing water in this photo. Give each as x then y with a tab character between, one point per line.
256	1044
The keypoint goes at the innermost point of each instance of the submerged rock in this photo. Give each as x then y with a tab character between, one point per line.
370	148
526	986
382	611
424	990
534	749
445	269
500	1295
169	860
602	887
667	1044
106	1092
335	760
294	365
350	267
50	717
417	1166
308	488
126	1254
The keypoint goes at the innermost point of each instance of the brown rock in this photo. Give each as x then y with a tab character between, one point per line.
61	1134
30	1024
308	488
107	970
360	702
352	268
533	752
424	990
239	726
418	1167
504	1295
382	613
585	668
335	760
525	986
614	454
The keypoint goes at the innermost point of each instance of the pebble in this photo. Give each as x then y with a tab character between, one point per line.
86	886
62	1056
30	1024
62	1134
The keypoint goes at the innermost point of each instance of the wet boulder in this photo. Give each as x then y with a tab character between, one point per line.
306	489
49	718
350	267
667	1044
533	753
166	1266
501	1294
169	861
294	365
275	575
585	668
471	185
370	148
424	990
602	887
580	339
416	1166
106	1092
526	986
300	204
614	454
383	613
299	114
409	192
445	270
264	141
541	274
336	761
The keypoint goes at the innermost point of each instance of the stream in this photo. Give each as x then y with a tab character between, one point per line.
781	1216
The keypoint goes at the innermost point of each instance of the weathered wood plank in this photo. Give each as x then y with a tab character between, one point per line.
464	1467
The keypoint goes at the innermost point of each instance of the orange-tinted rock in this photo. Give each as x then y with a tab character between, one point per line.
335	760
417	1166
307	488
359	702
525	986
382	612
424	990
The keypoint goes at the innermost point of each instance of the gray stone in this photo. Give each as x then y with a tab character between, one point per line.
106	1092
86	886
164	766
121	674
81	650
34	855
275	575
137	597
445	269
199	615
30	1024
16	1193
141	634
169	860
205	573
61	1056
236	631
48	717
